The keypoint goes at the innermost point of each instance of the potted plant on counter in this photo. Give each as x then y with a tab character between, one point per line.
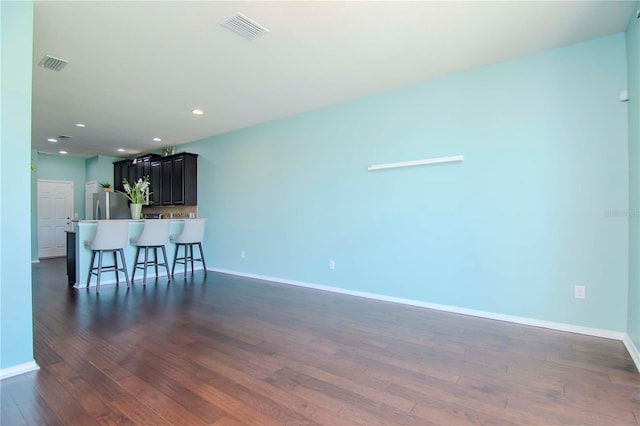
137	193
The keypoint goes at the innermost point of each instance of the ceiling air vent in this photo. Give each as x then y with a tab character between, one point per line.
244	26
51	63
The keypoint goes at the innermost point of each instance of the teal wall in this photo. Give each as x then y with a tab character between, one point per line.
633	72
59	167
100	169
16	326
536	207
91	168
34	205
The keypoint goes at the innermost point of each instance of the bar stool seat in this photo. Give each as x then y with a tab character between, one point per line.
111	236
155	235
192	234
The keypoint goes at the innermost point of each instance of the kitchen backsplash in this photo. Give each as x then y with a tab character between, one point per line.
171	212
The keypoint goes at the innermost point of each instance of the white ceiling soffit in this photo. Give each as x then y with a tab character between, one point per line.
140	67
244	26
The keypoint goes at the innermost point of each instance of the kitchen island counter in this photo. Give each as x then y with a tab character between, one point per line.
85	230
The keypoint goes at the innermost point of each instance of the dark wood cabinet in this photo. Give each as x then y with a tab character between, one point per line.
179	179
132	170
71	258
131	173
142	168
166	172
173	179
120	171
155	181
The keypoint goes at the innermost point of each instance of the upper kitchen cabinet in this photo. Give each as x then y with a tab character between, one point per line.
178	179
120	170
172	179
132	170
155	181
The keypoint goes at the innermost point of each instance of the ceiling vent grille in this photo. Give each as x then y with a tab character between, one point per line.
244	26
51	63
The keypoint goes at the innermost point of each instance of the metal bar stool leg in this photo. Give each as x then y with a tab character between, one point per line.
115	267
124	266
166	263
146	260
186	259
175	258
99	270
135	264
93	258
155	260
204	265
191	256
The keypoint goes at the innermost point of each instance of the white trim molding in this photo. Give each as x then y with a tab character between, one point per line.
632	349
27	367
597	332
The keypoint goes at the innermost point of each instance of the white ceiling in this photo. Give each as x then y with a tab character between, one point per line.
137	69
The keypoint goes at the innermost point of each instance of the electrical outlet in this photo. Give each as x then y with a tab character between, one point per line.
332	264
242	254
580	292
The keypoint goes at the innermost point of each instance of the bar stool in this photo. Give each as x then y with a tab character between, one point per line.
111	236
191	235
155	235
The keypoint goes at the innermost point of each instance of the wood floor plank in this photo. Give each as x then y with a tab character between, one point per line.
152	369
38	412
305	407
89	396
228	350
138	412
158	402
9	412
562	413
242	413
63	404
195	365
246	393
380	410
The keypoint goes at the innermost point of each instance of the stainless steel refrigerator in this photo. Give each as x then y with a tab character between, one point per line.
110	205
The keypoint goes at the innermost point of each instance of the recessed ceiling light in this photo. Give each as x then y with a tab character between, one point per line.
120	149
62	152
157	140
52	140
197	111
80	125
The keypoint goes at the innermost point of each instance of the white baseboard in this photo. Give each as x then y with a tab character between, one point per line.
597	332
5	373
632	349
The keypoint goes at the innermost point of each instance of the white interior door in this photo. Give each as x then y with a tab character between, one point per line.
90	188
55	210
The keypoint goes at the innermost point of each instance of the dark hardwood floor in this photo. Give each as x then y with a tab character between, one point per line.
226	350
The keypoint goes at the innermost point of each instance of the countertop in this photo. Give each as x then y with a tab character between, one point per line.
131	220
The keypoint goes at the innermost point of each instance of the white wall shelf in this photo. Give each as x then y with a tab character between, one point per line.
438	160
